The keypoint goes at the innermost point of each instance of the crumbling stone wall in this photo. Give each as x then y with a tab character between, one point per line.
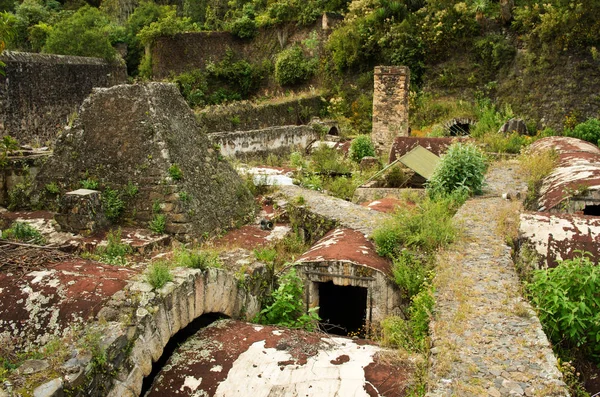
188	51
245	116
390	105
263	142
145	136
39	92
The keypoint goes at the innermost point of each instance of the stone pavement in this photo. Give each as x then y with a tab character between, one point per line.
347	214
486	339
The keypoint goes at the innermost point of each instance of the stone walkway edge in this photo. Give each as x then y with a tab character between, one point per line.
486	338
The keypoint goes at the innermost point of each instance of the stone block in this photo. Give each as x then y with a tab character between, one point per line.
81	211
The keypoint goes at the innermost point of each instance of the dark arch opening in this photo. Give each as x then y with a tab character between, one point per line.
460	129
592	210
343	309
176	340
334	131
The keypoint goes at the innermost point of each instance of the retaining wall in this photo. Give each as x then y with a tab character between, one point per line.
39	92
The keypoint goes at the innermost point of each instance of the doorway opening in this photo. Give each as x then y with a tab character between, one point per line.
343	309
593	210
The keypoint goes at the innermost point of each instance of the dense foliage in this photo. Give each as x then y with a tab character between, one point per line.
568	303
462	168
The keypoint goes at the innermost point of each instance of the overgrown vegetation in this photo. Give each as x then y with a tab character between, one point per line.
285	307
535	166
461	170
115	251
158	274
197	259
568	305
24	232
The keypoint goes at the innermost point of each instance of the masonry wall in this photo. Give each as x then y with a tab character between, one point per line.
187	51
262	142
390	106
39	92
245	116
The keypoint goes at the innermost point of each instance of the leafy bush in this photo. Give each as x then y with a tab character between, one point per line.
115	251
327	161
292	67
427	227
158	223
169	24
85	33
494	51
361	146
112	204
462	168
244	27
589	131
158	274
568	305
22	231
286	308
197	259
193	87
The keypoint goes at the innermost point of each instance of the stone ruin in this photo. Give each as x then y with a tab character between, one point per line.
390	106
143	142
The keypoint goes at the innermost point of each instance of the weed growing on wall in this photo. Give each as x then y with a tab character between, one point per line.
112	203
196	259
158	274
89	183
286	305
115	251
175	172
293	67
8	144
158	223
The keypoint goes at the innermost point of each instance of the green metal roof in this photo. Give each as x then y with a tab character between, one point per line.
420	160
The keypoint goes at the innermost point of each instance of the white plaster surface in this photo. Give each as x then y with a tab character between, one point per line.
257	373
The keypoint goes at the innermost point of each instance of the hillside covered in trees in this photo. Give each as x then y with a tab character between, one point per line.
536	59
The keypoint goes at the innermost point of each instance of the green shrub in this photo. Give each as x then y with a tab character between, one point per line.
91	29
158	223
462	168
197	259
158	274
115	251
24	232
494	51
426	227
112	203
589	131
175	172
342	187
266	255
395	177
292	67
361	146
169	24
566	298
327	161
89	184
244	27
52	188
287	307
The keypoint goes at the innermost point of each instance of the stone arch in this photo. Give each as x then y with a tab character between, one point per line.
459	126
192	294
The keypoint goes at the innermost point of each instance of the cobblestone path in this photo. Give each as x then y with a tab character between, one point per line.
486	339
346	213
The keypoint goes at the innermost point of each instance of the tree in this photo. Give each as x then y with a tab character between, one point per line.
85	33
